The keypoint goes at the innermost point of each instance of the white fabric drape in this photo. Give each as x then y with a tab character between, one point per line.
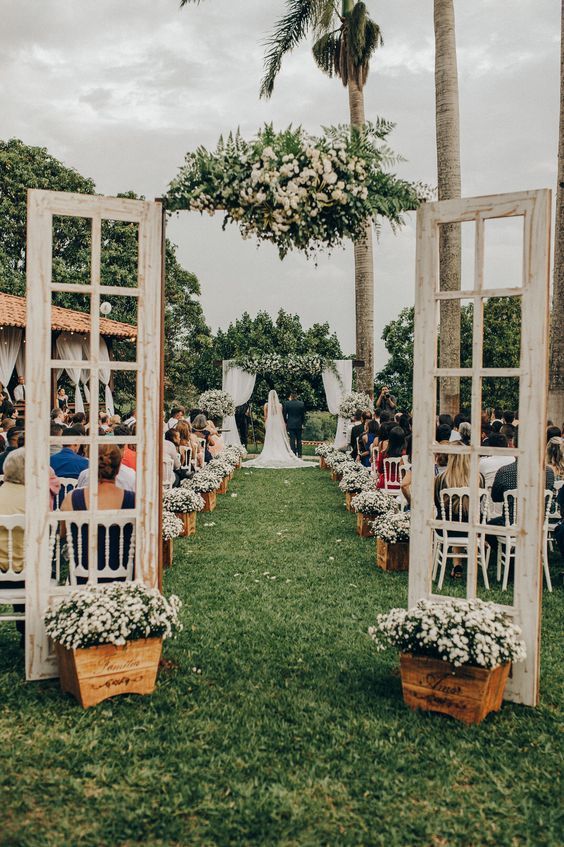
10	344
105	374
70	347
20	361
335	389
240	385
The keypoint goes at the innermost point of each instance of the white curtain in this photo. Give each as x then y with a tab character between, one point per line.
105	374
240	385
335	389
20	361
10	344
69	346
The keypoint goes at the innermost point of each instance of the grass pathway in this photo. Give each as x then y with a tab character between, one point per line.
280	725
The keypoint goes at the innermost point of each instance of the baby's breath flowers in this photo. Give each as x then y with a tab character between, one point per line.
463	632
374	503
204	480
172	526
353	402
217	403
112	614
182	500
356	478
392	527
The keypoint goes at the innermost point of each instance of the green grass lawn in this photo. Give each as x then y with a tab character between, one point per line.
280	725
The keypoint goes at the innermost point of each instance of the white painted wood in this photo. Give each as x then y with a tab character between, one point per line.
534	207
40	522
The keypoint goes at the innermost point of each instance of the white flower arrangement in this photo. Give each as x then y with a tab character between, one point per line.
323	450
463	632
233	453
355	481
295	190
392	527
338	461
172	526
295	364
217	403
353	402
203	481
112	614
220	465
374	503
182	500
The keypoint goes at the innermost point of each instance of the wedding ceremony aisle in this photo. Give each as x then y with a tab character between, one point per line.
274	721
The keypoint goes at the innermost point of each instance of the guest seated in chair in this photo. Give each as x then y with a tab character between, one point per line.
12	502
67	462
200	430
394	449
109	497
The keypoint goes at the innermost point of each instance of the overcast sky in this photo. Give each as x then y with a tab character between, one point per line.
121	89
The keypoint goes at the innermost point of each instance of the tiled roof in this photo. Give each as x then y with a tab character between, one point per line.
12	313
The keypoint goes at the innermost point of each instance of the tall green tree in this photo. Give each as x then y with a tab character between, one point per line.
262	335
186	332
556	382
345	39
449	187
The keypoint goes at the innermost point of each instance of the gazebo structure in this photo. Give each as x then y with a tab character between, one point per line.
70	331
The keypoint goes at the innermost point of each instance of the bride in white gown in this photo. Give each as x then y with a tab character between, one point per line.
276	452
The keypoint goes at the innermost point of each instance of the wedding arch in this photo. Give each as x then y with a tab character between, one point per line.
239	381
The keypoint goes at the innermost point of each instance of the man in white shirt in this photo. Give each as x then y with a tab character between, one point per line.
125	479
19	390
176	414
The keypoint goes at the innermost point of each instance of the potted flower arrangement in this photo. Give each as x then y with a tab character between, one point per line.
218	404
223	468
337	462
173	528
352	402
322	450
234	454
392	541
109	638
185	503
356	478
455	655
368	505
205	482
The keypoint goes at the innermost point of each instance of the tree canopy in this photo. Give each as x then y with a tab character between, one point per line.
262	335
186	332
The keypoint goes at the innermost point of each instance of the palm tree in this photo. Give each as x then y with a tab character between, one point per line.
344	43
556	381
449	187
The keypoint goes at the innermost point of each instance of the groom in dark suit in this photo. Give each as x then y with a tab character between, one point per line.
294	415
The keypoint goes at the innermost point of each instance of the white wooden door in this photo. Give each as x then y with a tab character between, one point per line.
530	212
143	365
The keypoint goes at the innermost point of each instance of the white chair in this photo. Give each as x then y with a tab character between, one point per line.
394	471
450	546
168	472
554	517
185	457
10	593
68	484
79	570
507	543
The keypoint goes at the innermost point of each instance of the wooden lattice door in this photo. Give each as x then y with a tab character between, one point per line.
139	368
472	306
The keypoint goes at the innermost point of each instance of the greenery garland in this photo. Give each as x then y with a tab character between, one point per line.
274	364
296	190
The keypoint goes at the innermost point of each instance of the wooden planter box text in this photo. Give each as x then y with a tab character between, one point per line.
467	693
93	674
392	557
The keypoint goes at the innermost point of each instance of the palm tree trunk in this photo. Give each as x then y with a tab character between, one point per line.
363	272
556	374
449	184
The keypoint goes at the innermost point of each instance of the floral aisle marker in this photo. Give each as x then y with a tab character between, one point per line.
295	190
185	503
392	541
355	401
173	528
368	505
109	638
455	655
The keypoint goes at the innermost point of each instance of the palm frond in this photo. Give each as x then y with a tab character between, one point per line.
326	52
327	14
185	2
289	30
363	36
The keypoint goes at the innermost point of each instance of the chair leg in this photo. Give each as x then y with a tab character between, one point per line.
444	560
545	563
484	561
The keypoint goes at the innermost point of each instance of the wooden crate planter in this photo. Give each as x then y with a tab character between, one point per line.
189	522
224	485
467	693
363	527
93	674
168	549
322	463
336	477
210	500
392	557
348	498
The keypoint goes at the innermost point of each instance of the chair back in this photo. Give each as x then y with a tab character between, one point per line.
511	507
11	529
185	457
455	503
68	484
118	556
168	472
394	471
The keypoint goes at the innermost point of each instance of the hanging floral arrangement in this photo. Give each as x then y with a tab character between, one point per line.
295	190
